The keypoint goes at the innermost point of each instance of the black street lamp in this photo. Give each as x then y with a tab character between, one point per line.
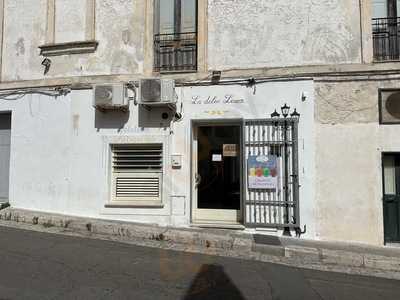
285	109
275	114
295	115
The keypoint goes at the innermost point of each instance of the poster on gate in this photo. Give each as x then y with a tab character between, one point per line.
262	173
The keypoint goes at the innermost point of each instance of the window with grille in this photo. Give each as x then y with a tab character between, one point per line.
175	36
137	173
385	29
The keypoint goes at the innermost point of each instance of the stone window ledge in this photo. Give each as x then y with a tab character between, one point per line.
68	48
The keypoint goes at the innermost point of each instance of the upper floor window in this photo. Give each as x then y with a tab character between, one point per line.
175	36
69	30
386	29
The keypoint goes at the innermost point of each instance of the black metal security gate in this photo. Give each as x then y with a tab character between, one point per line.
276	207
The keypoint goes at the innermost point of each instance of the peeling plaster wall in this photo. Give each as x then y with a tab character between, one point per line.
349	145
241	34
269	33
120	29
25	29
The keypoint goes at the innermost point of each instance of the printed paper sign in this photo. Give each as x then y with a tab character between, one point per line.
263	172
230	150
216	157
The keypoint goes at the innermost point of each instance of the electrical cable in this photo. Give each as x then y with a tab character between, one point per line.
13	95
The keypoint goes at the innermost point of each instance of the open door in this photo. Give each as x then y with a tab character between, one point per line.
5	138
217	173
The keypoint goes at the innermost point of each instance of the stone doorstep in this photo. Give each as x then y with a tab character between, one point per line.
243	243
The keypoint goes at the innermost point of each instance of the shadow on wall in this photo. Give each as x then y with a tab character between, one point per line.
156	117
113	119
213	283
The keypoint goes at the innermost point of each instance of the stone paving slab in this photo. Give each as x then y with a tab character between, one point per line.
330	256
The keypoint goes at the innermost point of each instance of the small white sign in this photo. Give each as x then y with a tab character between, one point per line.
217	157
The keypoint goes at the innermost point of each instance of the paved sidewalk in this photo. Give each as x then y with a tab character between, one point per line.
328	256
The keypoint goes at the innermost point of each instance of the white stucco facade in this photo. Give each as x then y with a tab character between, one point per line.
68	170
316	56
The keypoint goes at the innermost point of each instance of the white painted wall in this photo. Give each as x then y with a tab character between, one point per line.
349	146
59	153
60	158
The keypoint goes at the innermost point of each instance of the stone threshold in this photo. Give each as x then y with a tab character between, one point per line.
348	258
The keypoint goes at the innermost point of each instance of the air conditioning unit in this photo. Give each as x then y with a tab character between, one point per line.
389	106
110	97
156	92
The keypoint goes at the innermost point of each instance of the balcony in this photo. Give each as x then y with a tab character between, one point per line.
176	52
385	34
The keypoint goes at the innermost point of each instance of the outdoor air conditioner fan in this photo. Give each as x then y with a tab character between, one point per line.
110	97
156	91
390	106
150	90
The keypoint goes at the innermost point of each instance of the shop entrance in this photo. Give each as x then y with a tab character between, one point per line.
217	173
391	197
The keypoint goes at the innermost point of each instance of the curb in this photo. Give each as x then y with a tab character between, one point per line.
326	256
208	238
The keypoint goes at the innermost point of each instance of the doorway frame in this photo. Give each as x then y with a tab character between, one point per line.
385	153
9	112
193	168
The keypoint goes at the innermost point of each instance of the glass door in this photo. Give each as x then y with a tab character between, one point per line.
217	174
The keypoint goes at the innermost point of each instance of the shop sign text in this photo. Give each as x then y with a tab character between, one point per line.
227	99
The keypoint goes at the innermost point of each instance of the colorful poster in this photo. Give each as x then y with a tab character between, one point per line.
263	172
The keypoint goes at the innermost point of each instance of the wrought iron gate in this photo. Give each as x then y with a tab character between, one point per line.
278	207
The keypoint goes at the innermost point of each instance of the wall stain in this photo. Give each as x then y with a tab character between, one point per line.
20	47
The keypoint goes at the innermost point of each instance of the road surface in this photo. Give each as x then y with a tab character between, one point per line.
43	266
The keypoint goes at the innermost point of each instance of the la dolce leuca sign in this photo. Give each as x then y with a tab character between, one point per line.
216	99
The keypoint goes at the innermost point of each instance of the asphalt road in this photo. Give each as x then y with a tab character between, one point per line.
43	266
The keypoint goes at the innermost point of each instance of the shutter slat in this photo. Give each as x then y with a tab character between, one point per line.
146	160
137	157
137	187
144	155
122	161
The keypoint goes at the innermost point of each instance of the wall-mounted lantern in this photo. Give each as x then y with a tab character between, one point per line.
295	115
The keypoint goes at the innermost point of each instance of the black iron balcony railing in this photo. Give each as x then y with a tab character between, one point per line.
386	38
176	52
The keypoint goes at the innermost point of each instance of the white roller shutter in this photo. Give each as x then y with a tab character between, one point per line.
137	173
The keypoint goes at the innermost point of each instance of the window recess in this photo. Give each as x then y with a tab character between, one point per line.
389	106
69	30
386	29
175	36
137	174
